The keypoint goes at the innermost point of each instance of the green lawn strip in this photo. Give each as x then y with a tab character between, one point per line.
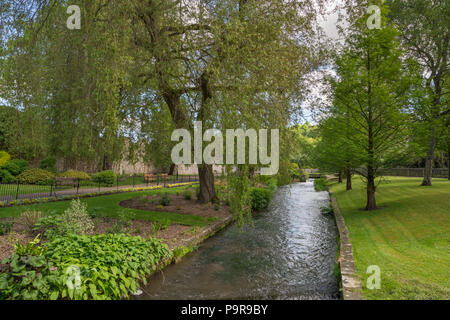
109	206
409	238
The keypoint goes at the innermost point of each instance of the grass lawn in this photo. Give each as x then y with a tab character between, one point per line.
109	206
408	238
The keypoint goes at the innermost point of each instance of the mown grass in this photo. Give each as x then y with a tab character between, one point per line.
408	238
109	206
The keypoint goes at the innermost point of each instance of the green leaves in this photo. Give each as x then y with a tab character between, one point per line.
113	272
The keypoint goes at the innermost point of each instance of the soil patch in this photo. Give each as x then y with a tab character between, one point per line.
178	204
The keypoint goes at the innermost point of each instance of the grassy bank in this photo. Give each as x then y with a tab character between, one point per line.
408	238
109	205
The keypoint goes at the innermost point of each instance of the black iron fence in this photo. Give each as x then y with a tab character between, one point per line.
60	187
414	172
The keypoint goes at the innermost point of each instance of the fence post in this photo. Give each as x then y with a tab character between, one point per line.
51	188
17	190
78	185
133	179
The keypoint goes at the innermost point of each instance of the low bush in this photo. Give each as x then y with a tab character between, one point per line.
75	174
36	176
77	218
187	194
260	198
5	227
4	158
6	176
16	166
320	185
164	200
50	226
48	164
107	177
109	266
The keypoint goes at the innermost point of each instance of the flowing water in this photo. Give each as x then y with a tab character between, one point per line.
289	253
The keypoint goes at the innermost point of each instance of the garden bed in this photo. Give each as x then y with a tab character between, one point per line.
178	204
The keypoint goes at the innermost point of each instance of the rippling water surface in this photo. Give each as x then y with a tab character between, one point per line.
289	253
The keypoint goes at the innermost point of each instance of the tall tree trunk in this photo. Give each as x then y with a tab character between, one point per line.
171	169
340	176
349	179
207	189
371	202
427	175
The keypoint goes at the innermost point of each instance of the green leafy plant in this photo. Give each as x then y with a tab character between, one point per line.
109	266
107	177
50	226
320	184
4	158
15	166
48	164
187	193
6	176
31	248
260	198
75	174
35	176
327	210
5	227
164	200
77	218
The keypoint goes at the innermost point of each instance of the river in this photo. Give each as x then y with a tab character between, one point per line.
288	253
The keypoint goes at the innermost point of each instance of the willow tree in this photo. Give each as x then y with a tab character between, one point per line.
74	78
372	88
228	64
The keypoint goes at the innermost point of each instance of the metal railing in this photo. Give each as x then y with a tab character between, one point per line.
414	172
17	191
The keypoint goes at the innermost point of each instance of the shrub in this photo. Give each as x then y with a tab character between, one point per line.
5	227
16	166
50	226
260	198
320	185
48	164
4	158
107	177
77	218
164	200
30	218
6	176
35	176
187	193
113	272
75	174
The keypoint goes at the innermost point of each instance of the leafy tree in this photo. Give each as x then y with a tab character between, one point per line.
424	26
372	90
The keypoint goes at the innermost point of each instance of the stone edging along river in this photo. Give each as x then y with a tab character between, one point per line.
288	253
